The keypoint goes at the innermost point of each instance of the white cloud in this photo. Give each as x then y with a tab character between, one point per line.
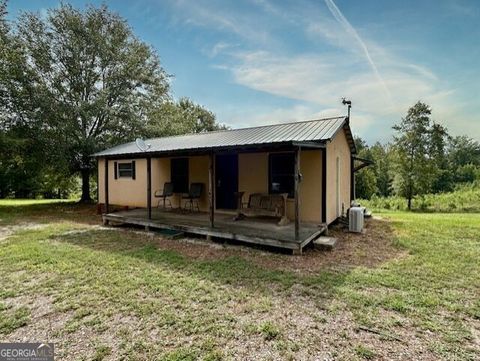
213	15
342	61
320	81
337	14
323	80
252	116
218	48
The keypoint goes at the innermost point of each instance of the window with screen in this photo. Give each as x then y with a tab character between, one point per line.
179	174
282	173
125	170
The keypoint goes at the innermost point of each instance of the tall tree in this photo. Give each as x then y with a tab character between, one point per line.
414	168
382	168
184	116
365	183
463	150
464	159
360	143
365	179
84	84
437	151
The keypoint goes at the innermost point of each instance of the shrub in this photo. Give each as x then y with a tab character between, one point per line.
465	198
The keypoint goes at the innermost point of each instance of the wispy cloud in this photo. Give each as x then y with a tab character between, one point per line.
337	14
219	47
214	16
337	62
323	79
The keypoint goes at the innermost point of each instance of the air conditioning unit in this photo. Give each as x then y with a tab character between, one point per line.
355	219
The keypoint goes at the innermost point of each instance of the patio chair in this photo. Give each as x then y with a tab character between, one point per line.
165	194
194	194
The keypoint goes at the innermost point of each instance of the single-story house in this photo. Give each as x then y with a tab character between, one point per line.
302	172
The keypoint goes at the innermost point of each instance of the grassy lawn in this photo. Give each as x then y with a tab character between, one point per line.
407	289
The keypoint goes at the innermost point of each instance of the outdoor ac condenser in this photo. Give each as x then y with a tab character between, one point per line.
355	221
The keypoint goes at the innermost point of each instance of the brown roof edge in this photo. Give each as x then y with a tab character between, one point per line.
348	134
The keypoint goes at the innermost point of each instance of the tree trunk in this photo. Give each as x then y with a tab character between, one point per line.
85	185
410	195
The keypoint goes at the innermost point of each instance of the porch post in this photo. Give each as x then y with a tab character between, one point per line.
149	187
211	189
297	200
106	186
324	185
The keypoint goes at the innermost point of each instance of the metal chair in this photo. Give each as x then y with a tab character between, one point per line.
164	194
194	194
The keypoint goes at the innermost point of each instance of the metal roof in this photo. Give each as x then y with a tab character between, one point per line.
319	130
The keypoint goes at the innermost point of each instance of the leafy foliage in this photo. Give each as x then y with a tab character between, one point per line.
423	159
465	198
376	178
73	83
184	116
414	169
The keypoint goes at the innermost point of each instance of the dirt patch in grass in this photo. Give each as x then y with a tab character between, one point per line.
122	293
369	249
43	320
290	328
7	231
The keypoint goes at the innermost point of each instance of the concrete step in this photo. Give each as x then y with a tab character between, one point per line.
325	242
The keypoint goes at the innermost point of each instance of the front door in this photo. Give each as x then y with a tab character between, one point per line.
226	180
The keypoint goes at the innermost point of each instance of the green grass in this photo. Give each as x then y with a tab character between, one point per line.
465	199
116	293
27	202
364	352
269	330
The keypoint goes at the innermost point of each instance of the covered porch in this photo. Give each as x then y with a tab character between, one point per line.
224	174
257	230
307	165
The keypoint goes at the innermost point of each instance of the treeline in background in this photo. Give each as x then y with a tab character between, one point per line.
72	83
423	167
78	81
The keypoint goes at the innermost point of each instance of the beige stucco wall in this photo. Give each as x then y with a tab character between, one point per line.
253	178
124	191
133	192
252	173
101	180
338	147
198	172
310	187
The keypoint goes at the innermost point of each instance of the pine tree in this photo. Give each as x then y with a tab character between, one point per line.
414	168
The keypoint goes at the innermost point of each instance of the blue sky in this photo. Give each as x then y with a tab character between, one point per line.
264	61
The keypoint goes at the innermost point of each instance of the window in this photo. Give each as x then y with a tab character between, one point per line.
125	170
179	174
282	173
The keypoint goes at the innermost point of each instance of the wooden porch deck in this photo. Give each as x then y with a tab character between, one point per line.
262	231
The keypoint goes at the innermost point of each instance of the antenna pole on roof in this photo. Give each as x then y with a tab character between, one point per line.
348	103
